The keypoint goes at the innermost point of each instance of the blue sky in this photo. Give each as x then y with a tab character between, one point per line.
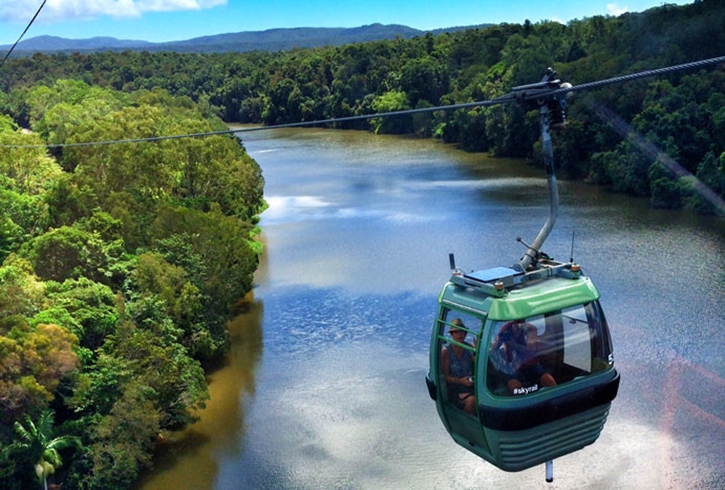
172	20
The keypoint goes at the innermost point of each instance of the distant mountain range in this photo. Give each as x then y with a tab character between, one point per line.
269	40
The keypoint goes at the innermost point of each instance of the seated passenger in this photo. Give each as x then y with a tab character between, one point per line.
515	346
457	367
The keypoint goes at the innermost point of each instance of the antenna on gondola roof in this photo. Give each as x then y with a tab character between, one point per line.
571	255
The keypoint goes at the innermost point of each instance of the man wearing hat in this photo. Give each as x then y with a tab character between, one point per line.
457	367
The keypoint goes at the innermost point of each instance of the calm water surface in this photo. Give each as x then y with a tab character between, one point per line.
324	387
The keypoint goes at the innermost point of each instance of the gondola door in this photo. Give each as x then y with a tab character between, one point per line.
455	361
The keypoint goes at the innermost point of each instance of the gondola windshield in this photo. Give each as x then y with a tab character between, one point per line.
548	350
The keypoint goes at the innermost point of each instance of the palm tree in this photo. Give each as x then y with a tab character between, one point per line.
38	440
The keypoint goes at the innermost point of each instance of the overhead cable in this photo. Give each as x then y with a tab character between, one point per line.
21	35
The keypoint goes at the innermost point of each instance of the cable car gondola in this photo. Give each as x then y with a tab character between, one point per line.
521	364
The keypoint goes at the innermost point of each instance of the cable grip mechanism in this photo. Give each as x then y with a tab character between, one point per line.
546	92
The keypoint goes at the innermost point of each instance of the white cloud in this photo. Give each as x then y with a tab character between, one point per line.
615	10
65	10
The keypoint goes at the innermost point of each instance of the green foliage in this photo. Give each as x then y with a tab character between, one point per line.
167	290
115	270
11	235
33	362
21	291
92	306
71	253
7	123
101	384
102	224
26	170
394	100
22	216
57	108
130	181
710	185
215	251
59	316
424	79
123	441
666	193
624	169
176	382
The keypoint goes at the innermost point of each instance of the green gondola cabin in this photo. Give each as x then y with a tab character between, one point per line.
521	364
521	423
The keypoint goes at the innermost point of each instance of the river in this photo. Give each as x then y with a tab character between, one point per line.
324	387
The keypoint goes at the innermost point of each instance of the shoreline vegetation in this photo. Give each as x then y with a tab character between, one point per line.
120	264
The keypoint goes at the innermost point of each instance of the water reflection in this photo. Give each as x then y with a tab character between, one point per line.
357	238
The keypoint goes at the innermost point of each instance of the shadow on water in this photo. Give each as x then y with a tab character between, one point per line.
223	419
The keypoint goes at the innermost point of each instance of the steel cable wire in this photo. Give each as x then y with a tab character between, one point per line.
7	55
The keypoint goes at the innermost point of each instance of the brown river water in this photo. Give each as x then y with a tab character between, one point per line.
324	386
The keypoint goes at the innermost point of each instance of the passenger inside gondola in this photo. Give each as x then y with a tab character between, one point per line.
514	352
457	364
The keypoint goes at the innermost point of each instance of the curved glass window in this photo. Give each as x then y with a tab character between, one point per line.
543	351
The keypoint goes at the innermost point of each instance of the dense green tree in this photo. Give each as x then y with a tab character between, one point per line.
217	252
33	362
709	189
6	122
667	191
93	306
70	253
156	360
21	291
26	175
177	298
122	442
25	169
391	101
22	216
424	79
100	385
130	180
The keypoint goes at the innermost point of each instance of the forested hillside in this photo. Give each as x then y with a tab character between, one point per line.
120	263
120	267
682	115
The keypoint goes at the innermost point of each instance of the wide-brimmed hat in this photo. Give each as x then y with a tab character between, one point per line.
456	325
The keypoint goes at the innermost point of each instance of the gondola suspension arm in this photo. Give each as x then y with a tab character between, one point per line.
551	113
